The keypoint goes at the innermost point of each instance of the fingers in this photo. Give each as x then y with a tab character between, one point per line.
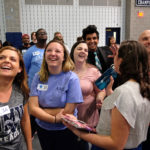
71	116
110	56
113	49
59	116
99	105
111	80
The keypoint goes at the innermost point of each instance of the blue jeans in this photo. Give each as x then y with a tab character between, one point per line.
97	148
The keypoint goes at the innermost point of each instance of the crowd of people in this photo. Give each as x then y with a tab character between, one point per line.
44	81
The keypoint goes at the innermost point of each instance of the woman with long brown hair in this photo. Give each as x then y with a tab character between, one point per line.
124	117
14	92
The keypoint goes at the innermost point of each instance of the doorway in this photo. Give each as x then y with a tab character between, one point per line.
115	32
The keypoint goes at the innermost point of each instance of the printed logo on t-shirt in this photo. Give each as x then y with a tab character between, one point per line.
10	124
42	87
36	53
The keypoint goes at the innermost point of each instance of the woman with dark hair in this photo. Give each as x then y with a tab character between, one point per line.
55	90
7	43
112	46
88	111
124	117
33	38
14	94
111	41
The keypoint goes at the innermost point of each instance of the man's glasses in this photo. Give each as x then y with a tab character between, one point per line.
42	33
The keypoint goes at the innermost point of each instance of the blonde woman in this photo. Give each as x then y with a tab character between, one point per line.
55	90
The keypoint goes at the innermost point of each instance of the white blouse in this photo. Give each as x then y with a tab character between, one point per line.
133	107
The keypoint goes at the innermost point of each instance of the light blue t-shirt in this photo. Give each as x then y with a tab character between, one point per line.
56	93
33	59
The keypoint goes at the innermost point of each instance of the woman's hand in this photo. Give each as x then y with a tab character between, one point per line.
59	116
113	48
69	126
99	104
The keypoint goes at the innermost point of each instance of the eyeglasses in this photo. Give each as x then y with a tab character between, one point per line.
42	33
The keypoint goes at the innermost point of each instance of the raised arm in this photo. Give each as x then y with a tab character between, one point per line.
100	95
109	90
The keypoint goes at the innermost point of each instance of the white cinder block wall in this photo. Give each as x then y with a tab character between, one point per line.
71	19
2	21
68	19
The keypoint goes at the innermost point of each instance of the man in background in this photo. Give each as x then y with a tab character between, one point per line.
144	38
33	59
98	56
25	43
34	56
58	36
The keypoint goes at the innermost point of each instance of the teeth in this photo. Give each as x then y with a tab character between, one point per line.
81	56
52	59
5	67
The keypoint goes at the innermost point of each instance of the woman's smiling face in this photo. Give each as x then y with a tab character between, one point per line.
81	53
54	55
9	63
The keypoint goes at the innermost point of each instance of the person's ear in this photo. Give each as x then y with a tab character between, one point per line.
20	69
